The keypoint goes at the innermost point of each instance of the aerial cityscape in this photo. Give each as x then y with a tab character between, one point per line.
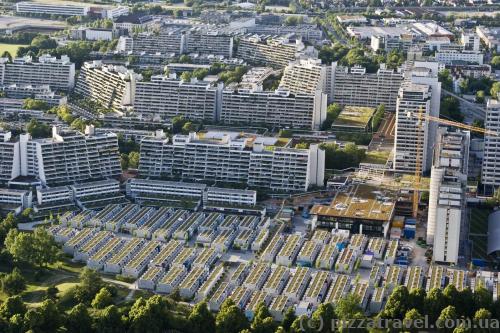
275	166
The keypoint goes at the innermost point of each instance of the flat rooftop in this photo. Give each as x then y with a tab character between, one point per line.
354	116
359	201
13	22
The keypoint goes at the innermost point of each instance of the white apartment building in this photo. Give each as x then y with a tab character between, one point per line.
58	74
490	175
307	32
15	200
354	86
165	41
278	108
264	50
229	157
470	41
9	157
490	36
167	97
67	157
452	57
304	76
112	86
136	187
209	42
447	194
411	140
51	9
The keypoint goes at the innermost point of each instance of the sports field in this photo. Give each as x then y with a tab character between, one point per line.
11	48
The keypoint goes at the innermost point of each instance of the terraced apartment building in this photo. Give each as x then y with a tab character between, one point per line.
229	157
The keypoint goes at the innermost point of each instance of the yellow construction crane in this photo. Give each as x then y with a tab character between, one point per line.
418	166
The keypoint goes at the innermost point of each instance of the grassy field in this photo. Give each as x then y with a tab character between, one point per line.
11	48
479	221
376	157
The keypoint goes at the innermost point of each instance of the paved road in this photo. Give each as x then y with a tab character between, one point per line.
476	111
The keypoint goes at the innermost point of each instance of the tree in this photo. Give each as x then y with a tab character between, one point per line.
445	78
45	318
398	304
35	104
482	298
323	316
377	117
495	62
12	306
78	319
8	223
480	95
348	308
230	318
262	321
124	161
448	313
188	127
332	112
495	90
13	283
37	248
102	299
109	320
51	293
133	160
417	296
288	318
90	284
150	313
6	54
434	303
38	130
201	319
450	108
177	124
411	318
185	59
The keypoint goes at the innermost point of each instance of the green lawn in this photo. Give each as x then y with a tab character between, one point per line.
376	157
11	48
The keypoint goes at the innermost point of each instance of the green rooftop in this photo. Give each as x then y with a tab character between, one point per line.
354	116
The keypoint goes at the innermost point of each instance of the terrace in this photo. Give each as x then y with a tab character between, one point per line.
167	254
435	277
115	223
276	281
375	275
345	262
138	219
318	287
308	253
165	231
206	258
240	296
107	250
159	217
338	288
298	283
222	292
354	118
141	259
260	239
391	252
129	248
257	276
279	306
256	299
457	278
414	278
248	222
393	277
192	281
321	236
361	290
287	254
211	222
185	257
171	279
92	245
230	222
243	239
376	246
211	281
240	274
186	229
327	257
224	239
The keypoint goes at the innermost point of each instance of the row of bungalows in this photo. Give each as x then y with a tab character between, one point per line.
279	306
193	281
118	260
84	252
248	222
358	242
171	279
393	277
159	218
115	222
62	234
150	278
362	291
339	239
138	219
327	257
224	240
377	300
338	288
167	254
435	277
78	240
391	252
243	239
66	217
185	257
257	276
274	246
376	247
210	283
230	222
165	231
308	253
206	258
376	274
240	274
211	222
277	281
97	260
206	237
223	291
457	278
256	298
297	284
140	261
286	256
241	296
104	215
486	279
187	229
321	237
346	260
81	219
316	292
414	278
260	240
